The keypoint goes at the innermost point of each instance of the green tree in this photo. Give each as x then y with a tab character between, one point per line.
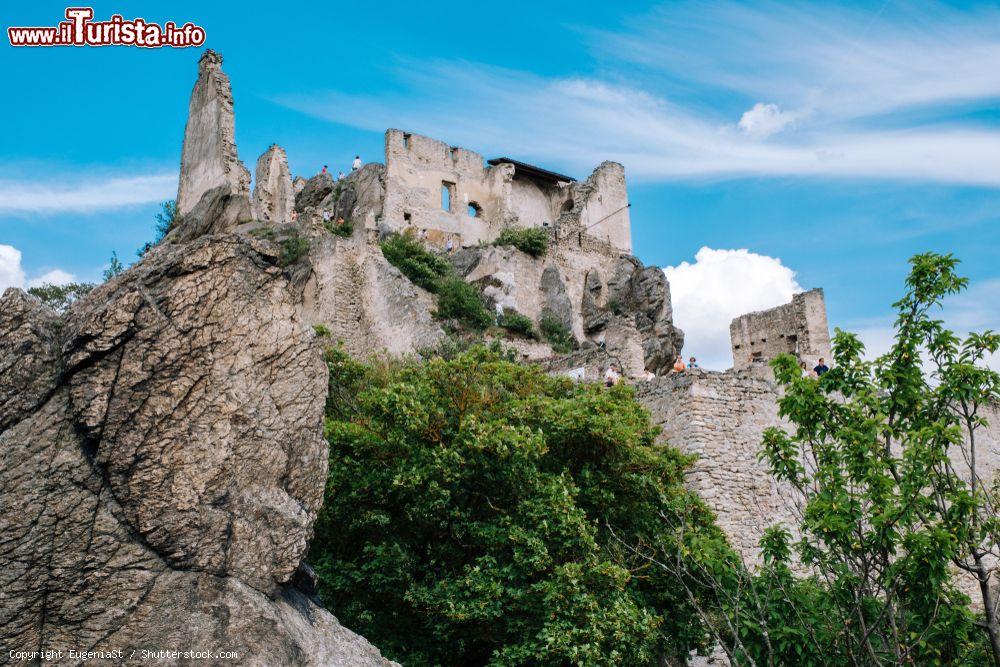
115	267
472	510
165	221
894	505
60	297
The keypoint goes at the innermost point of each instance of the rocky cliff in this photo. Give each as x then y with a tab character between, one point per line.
161	464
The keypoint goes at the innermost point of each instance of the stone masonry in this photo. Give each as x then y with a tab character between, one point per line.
798	327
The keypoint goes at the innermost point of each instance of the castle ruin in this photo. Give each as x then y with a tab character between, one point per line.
618	310
798	328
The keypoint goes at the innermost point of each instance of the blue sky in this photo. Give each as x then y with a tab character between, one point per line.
828	141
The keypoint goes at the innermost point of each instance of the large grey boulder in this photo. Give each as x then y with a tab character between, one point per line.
161	469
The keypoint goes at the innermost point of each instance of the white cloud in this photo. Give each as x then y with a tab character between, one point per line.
53	277
721	285
763	120
85	195
11	273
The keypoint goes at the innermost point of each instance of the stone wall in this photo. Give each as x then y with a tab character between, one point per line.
798	327
483	199
721	417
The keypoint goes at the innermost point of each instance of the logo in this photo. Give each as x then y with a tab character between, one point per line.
79	29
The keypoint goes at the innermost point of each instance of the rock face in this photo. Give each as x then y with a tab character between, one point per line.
209	159
273	193
161	464
555	301
645	293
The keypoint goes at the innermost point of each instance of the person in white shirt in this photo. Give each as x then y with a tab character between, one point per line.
449	246
611	376
357	163
340	176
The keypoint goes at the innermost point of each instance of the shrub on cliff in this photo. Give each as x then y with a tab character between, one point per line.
532	240
474	510
462	303
417	263
517	323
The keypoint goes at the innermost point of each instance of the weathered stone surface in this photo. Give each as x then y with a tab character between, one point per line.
219	210
29	354
209	158
595	317
555	301
159	486
798	327
273	194
314	192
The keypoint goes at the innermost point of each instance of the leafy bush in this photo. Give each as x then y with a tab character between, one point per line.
474	509
519	324
417	263
458	300
60	297
344	230
293	248
165	221
322	330
556	334
532	240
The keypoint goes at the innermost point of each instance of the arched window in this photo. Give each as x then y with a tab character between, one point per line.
475	210
567	206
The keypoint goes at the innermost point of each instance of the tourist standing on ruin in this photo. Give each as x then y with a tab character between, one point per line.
323	171
357	163
449	246
692	363
679	364
340	176
820	368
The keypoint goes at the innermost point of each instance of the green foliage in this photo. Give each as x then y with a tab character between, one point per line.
417	263
293	248
457	300
59	297
556	334
614	306
519	324
883	454
461	302
322	330
343	230
531	240
115	267
165	221
474	509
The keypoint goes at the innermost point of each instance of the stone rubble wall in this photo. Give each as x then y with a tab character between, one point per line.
721	418
798	327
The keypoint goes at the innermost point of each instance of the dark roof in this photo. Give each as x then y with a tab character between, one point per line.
531	171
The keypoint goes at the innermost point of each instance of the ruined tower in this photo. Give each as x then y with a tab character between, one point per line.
209	159
798	327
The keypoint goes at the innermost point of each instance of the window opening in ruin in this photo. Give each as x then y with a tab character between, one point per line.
475	210
447	194
567	206
406	141
406	218
451	153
